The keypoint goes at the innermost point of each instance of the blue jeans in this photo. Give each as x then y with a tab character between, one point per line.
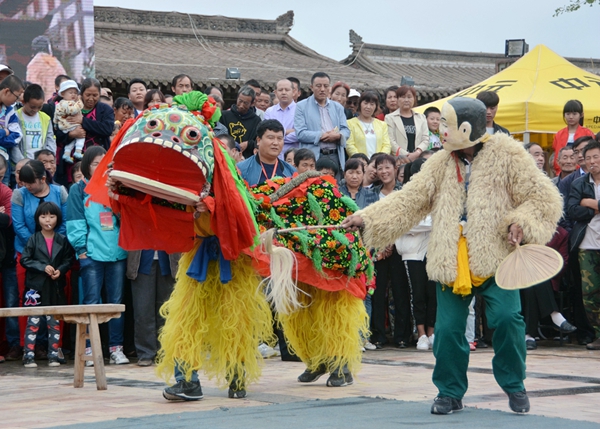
180	376
10	291
368	306
6	179
94	275
368	309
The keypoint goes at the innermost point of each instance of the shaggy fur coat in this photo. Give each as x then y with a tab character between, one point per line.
505	187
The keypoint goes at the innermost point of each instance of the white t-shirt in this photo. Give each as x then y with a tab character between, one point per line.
591	240
32	133
490	130
571	138
370	138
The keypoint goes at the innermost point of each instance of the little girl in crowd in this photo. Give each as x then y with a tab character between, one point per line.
573	116
70	105
46	257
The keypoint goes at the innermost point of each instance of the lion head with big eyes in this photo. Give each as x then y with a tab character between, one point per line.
167	145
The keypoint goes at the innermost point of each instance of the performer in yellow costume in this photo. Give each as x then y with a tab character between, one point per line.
176	189
215	318
324	318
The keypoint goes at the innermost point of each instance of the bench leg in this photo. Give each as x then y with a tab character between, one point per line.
79	354
97	353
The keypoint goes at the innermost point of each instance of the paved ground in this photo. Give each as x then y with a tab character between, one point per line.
393	389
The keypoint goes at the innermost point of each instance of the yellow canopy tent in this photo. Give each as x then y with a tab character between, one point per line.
533	92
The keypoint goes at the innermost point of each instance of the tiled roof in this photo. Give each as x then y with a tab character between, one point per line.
436	73
155	46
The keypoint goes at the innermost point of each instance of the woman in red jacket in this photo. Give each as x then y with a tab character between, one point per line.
573	115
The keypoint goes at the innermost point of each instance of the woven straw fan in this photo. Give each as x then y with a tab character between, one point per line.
528	266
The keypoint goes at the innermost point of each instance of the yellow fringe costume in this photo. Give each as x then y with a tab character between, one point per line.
327	330
214	326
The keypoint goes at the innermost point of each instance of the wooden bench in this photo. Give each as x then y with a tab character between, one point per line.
84	316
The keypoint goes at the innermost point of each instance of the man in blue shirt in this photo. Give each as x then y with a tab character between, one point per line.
320	124
261	167
265	164
284	112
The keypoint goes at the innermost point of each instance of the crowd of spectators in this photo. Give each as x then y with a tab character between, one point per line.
372	143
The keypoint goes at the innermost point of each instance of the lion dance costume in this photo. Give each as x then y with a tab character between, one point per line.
324	317
165	161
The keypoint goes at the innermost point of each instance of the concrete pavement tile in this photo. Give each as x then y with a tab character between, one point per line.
559	374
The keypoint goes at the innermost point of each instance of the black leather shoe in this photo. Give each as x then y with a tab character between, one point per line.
531	344
565	327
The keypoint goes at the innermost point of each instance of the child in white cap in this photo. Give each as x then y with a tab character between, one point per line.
70	105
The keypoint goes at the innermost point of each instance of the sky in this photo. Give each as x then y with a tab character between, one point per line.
460	25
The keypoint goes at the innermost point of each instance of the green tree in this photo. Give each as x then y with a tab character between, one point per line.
575	5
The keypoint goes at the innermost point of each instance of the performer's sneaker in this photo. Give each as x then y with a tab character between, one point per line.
337	380
310	377
518	402
184	391
235	390
446	405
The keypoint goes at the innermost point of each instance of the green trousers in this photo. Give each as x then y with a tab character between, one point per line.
589	263
451	349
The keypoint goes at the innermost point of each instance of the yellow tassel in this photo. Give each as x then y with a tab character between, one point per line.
464	277
213	326
327	330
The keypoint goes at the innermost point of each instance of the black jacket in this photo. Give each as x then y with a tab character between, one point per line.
581	216
242	127
97	131
500	129
35	258
564	187
7	242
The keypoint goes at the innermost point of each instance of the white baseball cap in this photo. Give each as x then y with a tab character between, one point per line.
67	84
353	93
4	67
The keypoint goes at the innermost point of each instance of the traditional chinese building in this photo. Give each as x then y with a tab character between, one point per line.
438	73
155	46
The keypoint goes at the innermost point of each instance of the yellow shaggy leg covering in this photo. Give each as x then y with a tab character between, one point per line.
215	327
327	330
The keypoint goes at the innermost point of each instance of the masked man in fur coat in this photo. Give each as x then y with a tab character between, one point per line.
485	195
